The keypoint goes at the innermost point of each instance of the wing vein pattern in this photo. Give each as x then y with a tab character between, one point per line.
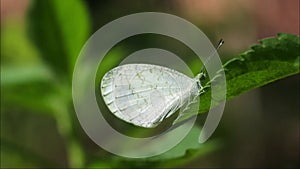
145	94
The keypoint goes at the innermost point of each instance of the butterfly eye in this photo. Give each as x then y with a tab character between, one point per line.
202	77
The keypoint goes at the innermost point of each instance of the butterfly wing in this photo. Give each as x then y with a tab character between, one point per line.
144	94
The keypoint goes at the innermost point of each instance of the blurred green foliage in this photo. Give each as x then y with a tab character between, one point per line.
58	30
36	87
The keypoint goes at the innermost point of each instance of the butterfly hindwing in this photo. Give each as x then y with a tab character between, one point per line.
144	94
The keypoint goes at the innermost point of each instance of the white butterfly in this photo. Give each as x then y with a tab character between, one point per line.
145	94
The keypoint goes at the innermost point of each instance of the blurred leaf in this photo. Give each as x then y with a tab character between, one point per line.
34	89
26	145
189	142
271	60
76	154
13	156
24	74
187	150
16	48
30	87
59	30
190	154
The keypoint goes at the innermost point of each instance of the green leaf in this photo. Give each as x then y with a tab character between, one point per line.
271	60
59	30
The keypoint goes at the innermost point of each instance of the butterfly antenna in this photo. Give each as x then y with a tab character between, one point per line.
221	42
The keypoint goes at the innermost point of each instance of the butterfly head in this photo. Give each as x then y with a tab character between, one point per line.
200	77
